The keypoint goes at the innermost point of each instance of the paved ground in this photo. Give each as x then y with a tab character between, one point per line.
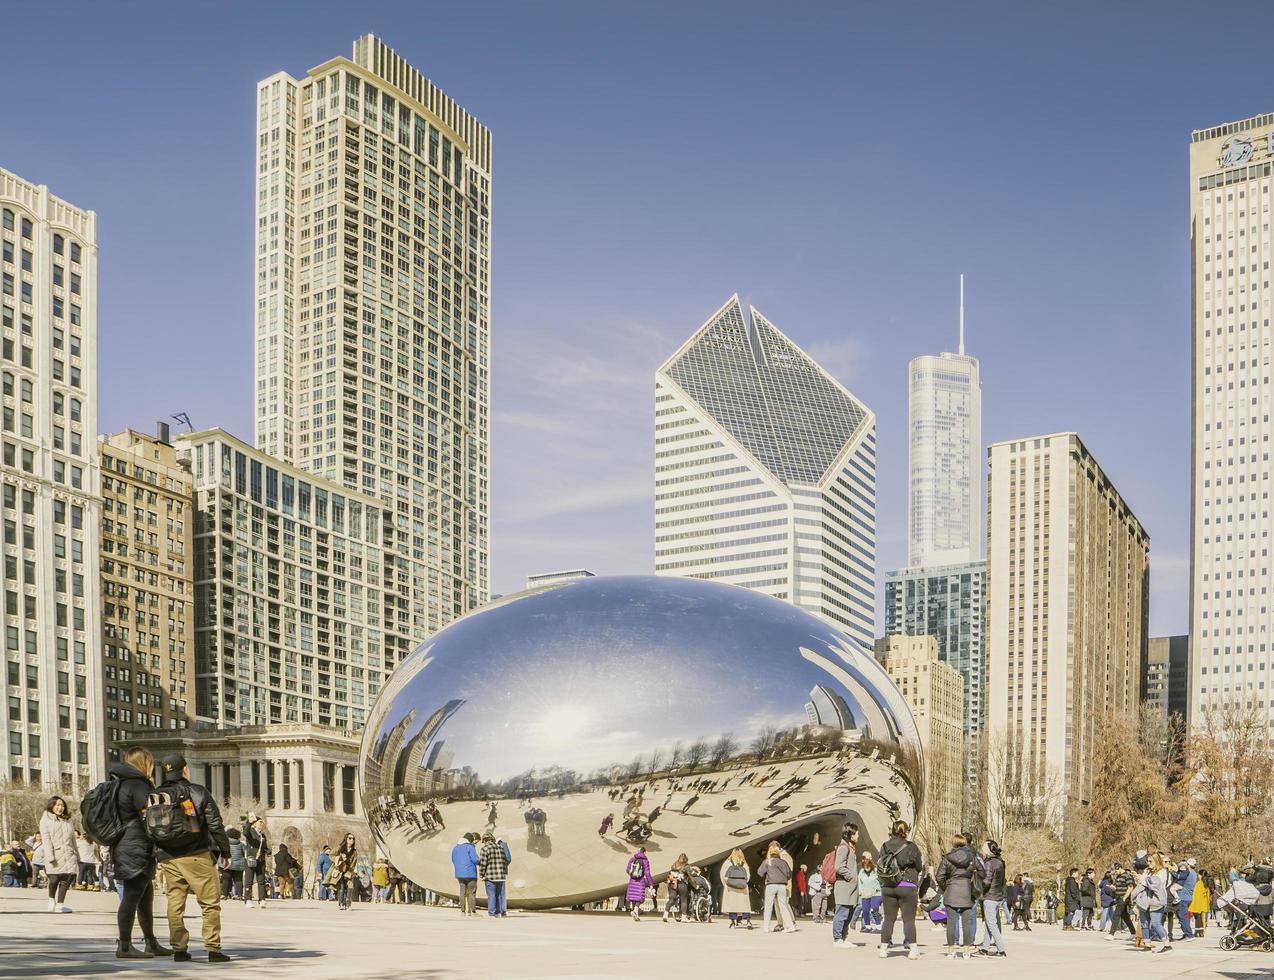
306	939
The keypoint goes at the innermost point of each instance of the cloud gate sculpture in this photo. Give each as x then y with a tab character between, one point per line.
581	719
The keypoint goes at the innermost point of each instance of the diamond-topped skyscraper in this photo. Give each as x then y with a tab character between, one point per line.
765	471
372	313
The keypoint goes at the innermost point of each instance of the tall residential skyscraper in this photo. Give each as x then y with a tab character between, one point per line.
289	591
1166	686
1068	614
51	498
148	588
944	457
765	471
372	313
1231	615
948	603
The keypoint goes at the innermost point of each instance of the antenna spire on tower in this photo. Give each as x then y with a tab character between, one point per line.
962	314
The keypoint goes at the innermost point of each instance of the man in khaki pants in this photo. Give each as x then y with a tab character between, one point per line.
190	843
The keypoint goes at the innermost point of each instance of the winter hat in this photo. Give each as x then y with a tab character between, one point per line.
175	762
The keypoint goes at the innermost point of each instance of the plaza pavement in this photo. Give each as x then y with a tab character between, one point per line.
309	940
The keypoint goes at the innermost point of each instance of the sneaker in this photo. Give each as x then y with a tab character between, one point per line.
968	954
181	956
65	908
1109	938
913	953
53	905
884	951
216	956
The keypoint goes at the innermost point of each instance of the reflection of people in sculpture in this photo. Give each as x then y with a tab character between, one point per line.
631	806
689	803
730	805
491	815
437	817
606	825
638	881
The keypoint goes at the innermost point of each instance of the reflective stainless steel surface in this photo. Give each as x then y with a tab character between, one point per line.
704	717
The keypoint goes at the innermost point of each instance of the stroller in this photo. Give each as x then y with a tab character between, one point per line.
1251	927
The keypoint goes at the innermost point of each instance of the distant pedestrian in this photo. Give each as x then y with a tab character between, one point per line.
493	866
344	872
993	896
256	852
959	873
606	825
776	874
639	881
61	856
736	901
845	886
464	863
322	865
869	894
232	876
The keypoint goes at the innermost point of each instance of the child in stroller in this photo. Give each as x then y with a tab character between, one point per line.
1250	927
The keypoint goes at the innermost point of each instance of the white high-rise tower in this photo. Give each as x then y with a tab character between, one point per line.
1231	617
372	313
765	471
944	457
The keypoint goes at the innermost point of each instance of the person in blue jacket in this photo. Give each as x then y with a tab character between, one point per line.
464	861
1185	878
322	865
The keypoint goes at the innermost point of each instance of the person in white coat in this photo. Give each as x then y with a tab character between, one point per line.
61	858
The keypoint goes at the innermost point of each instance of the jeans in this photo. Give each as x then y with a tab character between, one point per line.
249	876
899	903
840	922
1152	924
871	912
991	925
777	895
1183	916
1107	913
495	898
961	924
1074	917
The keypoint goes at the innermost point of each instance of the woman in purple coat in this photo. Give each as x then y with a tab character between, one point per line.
638	881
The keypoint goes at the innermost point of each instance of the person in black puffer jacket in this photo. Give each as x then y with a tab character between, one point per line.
955	879
134	856
992	898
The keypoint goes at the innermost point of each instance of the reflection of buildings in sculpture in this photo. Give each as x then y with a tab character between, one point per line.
827	708
408	765
387	747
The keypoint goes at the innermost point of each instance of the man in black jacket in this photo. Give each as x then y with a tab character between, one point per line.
189	857
1072	896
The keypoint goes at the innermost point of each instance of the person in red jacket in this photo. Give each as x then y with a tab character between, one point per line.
801	885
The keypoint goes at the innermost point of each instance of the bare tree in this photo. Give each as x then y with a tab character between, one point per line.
764	741
696	753
723	748
677	754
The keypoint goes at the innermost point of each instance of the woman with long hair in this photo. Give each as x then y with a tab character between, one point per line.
61	857
678	888
344	868
134	856
869	893
736	902
1151	897
898	866
777	874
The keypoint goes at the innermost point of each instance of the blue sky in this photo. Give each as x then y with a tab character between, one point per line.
838	165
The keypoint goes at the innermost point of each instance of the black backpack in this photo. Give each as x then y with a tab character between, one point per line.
172	820
888	870
99	813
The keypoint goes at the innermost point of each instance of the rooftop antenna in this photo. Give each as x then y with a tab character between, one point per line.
184	419
962	314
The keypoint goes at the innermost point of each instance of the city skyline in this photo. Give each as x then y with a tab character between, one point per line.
572	359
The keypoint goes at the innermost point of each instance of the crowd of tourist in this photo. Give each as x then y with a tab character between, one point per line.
165	831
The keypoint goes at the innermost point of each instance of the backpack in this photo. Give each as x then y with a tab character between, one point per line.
977	886
636	870
99	813
828	868
736	876
171	820
888	870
